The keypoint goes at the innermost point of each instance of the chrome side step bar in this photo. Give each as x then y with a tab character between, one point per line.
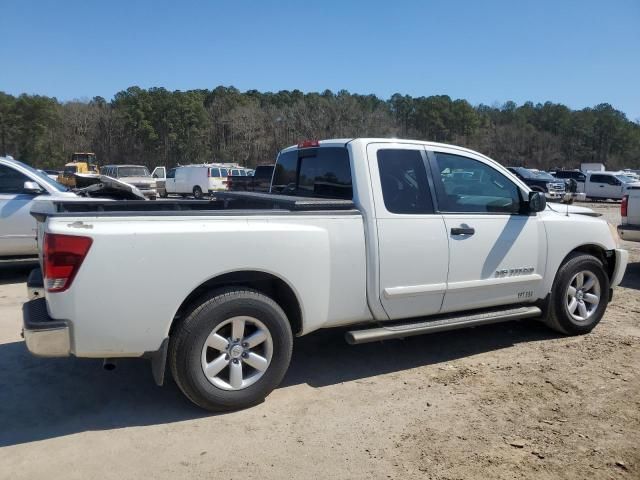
440	323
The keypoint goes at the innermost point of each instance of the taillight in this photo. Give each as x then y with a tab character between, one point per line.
624	205
63	255
309	144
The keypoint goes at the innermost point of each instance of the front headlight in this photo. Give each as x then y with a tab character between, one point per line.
614	234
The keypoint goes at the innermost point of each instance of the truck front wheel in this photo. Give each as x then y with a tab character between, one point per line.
231	350
579	296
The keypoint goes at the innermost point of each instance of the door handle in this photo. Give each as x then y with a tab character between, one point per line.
601	186
463	231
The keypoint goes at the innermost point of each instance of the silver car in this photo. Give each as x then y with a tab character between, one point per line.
20	187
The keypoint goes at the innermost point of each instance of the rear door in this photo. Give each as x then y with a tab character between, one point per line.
496	253
597	185
412	240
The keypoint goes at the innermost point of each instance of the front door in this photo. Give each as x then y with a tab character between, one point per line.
496	252
412	241
17	226
170	183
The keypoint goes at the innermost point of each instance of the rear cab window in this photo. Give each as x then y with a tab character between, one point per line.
314	172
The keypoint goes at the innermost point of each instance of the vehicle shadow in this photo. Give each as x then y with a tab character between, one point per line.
16	272
49	398
631	277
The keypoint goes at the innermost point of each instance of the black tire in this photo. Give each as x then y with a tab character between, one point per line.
189	336
558	317
163	194
197	192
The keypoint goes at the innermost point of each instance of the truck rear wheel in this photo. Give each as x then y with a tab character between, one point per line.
579	296
197	192
231	350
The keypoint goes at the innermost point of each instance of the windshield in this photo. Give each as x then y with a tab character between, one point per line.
43	178
625	179
133	172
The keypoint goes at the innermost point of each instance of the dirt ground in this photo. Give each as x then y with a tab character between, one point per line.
504	401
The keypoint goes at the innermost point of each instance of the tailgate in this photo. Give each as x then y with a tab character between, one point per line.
633	207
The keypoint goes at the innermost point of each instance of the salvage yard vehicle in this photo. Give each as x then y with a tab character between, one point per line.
607	185
259	181
538	181
196	180
629	229
392	238
136	175
20	187
82	164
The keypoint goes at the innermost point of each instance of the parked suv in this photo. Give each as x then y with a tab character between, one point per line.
540	182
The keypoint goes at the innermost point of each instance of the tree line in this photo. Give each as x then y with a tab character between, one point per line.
156	126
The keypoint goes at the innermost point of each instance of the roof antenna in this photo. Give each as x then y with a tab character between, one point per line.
572	186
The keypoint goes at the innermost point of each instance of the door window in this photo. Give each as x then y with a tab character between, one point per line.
11	180
171	173
464	185
405	188
599	179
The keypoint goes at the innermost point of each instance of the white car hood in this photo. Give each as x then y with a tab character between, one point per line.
573	209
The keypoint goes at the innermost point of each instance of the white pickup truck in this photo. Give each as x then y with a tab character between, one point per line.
390	237
629	228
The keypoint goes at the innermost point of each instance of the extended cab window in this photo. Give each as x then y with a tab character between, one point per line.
405	188
464	185
314	172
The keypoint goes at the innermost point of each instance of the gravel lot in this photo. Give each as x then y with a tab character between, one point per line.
504	401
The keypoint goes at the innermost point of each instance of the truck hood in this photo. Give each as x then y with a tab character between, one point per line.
111	188
573	209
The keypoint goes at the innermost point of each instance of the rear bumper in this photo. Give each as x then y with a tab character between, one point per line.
44	336
622	257
630	233
35	284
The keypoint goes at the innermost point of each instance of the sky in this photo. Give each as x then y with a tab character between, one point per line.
580	53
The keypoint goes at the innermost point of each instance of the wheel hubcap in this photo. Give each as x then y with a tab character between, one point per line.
583	296
237	353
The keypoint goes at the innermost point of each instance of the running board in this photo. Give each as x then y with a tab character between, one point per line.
440	323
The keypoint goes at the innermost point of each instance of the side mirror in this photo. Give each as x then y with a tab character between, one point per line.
537	202
32	188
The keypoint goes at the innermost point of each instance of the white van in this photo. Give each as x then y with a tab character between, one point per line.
196	180
607	185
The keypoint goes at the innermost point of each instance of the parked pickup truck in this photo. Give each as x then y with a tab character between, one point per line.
392	238
629	229
260	181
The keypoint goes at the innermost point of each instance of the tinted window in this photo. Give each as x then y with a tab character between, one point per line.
214	172
171	173
403	177
469	186
599	178
318	172
12	181
224	172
